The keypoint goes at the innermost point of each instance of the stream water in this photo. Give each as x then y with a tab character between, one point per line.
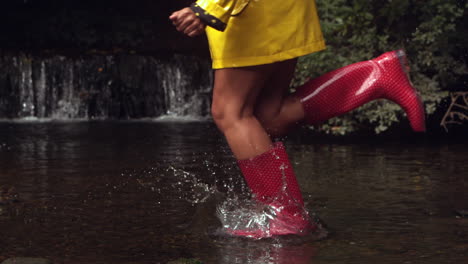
147	192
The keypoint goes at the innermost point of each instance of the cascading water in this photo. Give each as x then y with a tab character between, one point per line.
102	87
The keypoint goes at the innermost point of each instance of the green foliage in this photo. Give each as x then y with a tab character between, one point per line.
433	33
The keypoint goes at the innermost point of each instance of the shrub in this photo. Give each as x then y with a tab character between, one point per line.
433	33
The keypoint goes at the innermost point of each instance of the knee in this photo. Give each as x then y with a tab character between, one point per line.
218	113
225	116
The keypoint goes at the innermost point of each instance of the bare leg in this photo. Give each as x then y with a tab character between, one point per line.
339	92
277	109
234	96
265	166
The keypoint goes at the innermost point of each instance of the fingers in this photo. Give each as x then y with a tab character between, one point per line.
197	31
173	16
195	28
185	19
180	16
176	18
187	22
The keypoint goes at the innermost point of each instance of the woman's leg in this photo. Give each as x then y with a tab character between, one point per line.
234	96
265	166
277	109
341	91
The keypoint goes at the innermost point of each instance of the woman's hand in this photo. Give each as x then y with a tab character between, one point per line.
187	22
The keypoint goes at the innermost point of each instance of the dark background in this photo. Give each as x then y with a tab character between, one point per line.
94	26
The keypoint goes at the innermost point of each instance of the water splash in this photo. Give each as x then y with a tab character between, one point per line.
172	181
249	218
237	212
246	215
198	192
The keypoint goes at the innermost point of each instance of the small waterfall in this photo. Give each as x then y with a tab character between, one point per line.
104	87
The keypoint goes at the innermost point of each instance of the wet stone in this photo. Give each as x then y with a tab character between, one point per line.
27	261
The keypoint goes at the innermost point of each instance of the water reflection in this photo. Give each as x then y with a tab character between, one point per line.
265	252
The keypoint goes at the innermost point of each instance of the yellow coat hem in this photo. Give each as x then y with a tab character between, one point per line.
259	60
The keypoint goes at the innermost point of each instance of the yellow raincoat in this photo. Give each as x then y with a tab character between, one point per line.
254	32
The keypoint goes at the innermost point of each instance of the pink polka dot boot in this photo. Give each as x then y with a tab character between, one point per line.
271	179
347	88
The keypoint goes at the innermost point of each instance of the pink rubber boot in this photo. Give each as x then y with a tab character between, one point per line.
271	179
347	88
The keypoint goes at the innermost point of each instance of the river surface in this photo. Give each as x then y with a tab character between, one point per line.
147	192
